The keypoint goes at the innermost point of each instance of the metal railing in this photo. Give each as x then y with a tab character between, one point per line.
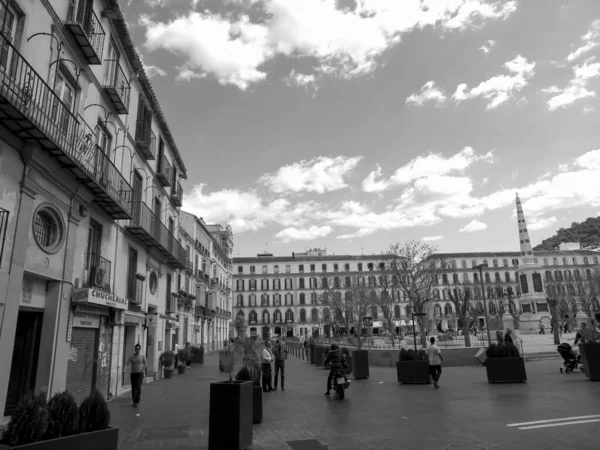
3	226
145	138
98	271
82	14
165	171
101	168
177	194
116	80
144	218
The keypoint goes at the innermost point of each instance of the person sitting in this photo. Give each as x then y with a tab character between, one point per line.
337	361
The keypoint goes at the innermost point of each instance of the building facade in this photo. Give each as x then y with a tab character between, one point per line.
91	181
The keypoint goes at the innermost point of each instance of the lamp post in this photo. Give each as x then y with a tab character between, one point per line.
414	331
485	304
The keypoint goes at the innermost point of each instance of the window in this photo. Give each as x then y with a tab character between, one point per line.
289	316
324	267
370	267
348	282
276	284
277	300
66	92
8	24
288	269
497	277
301	283
48	229
313	298
347	267
595	260
289	299
507	277
555	261
335	268
153	282
239	285
252	269
312	268
252	317
465	277
574	260
336	282
264	285
585	260
324	283
473	263
455	278
131	273
464	263
545	261
300	268
264	269
396	312
240	300
374	312
360	267
445	278
487	277
485	262
475	278
495	261
264	300
288	283
302	314
302	298
252	285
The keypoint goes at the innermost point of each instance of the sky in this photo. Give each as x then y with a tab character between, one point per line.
355	124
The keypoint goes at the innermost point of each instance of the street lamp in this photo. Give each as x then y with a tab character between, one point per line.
413	321
485	304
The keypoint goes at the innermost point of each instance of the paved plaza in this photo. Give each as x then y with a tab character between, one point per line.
554	410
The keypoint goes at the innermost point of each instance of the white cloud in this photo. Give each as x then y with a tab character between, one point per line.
321	174
539	223
590	40
487	47
303	234
153	71
429	92
588	109
433	238
576	89
473	226
432	165
345	42
308	82
501	88
485	181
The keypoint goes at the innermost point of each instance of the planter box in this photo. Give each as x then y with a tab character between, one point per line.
198	358
96	440
168	373
360	364
181	369
230	415
257	404
311	354
590	357
507	370
413	372
319	356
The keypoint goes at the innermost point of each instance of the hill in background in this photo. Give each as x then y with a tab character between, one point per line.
586	233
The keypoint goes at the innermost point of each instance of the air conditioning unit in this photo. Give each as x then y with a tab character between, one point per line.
115	317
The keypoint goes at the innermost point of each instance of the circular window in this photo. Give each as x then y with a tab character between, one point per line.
48	229
153	282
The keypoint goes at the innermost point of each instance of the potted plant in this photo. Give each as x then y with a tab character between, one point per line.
60	425
413	367
230	411
183	356
503	363
167	359
198	355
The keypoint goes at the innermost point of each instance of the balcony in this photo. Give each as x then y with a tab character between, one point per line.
85	27
164	172
150	230
117	86
145	139
199	311
97	271
189	267
177	194
31	110
171	306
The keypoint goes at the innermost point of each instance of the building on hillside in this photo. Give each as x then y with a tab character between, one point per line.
89	214
211	251
282	295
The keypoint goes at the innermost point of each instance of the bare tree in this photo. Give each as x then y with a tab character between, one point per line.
387	295
416	268
589	290
553	306
461	305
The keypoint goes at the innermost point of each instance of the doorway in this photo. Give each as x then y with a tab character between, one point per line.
25	355
128	347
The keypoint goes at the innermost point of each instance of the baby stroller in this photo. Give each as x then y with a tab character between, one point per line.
572	360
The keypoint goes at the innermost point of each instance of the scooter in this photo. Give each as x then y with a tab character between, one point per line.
340	383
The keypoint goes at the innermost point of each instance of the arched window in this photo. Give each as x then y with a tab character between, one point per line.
497	277
487	277
252	300
324	284
314	315
277	300
396	312
252	317
289	316
266	316
241	313
548	275
568	275
326	315
588	274
336	282
264	300
577	274
437	310
313	298
448	309
301	283
277	316
302	315
492	307
240	300
302	299
558	275
289	299
348	282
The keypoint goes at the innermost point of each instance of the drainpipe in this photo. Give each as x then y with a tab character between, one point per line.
60	289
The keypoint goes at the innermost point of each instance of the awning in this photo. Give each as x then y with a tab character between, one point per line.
134	319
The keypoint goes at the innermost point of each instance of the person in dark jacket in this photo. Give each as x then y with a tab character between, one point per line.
337	361
508	336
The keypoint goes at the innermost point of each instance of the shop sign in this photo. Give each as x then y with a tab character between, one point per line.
98	297
82	320
367	321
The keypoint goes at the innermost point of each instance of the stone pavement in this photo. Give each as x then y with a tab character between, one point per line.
378	413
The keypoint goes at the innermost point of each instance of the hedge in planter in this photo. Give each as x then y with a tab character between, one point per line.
413	367
504	364
60	425
590	357
167	359
198	355
183	356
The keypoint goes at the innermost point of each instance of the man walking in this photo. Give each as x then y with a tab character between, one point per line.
435	362
280	351
138	371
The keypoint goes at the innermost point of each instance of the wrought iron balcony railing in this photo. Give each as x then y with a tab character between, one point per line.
177	194
148	227
31	110
97	271
85	27
165	171
117	86
145	139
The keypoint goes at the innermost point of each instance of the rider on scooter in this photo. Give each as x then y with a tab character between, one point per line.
337	361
